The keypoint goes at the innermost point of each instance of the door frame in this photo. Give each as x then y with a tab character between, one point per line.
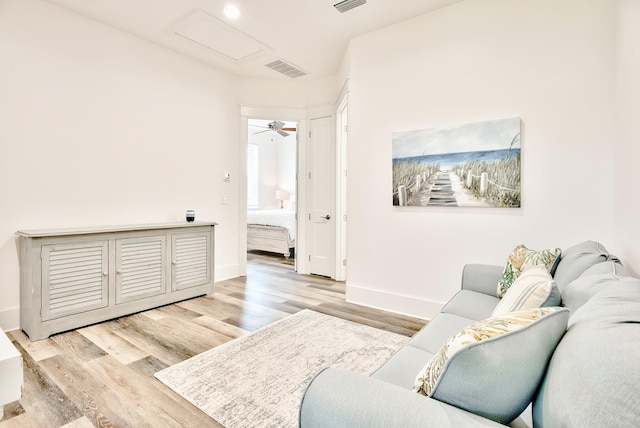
342	114
266	113
303	117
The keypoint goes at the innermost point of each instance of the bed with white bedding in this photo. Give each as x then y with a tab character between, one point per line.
271	230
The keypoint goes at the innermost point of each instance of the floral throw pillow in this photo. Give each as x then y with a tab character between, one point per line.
522	258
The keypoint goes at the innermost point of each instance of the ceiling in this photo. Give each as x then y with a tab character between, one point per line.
310	35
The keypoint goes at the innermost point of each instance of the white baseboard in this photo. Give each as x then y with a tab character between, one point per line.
392	302
10	319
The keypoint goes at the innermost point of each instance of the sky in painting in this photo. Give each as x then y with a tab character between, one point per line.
479	136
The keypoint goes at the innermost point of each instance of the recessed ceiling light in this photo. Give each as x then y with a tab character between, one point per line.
232	12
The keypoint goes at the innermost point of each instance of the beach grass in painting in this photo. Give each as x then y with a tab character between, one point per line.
477	164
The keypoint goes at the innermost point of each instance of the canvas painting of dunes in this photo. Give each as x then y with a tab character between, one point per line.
473	165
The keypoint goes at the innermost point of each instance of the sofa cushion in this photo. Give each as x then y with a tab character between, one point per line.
592	280
339	398
575	260
494	367
592	379
534	288
402	367
435	334
522	258
471	304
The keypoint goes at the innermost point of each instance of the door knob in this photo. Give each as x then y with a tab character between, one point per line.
327	217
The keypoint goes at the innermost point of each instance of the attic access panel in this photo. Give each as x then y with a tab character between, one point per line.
208	31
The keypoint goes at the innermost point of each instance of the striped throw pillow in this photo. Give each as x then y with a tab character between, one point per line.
534	288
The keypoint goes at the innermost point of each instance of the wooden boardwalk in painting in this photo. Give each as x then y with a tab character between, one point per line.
436	191
441	191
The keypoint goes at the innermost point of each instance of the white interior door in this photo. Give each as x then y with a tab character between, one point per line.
321	197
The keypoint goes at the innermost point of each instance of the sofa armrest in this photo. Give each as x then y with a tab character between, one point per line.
481	278
340	398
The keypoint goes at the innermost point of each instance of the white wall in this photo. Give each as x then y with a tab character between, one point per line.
271	93
627	172
267	172
290	93
98	127
552	64
277	166
286	166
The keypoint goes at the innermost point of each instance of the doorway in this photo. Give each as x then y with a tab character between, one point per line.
304	244
272	189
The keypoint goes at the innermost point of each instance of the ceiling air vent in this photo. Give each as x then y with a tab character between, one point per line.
346	5
286	69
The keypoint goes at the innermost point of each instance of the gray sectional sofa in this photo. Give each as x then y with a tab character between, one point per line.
591	378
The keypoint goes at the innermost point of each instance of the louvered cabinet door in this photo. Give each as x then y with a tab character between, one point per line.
75	278
140	268
191	257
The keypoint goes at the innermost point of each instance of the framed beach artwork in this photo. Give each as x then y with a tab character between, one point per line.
472	165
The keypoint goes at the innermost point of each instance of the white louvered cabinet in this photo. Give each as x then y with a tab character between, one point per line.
70	278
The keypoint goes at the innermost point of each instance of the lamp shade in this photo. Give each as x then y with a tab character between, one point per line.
282	195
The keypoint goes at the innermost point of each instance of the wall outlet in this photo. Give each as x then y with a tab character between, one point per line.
224	200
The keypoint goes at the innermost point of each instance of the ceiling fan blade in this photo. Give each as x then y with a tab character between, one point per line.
275	126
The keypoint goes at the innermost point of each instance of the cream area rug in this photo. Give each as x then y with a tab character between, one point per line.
258	380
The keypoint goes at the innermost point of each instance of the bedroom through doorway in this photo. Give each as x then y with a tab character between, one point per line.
272	191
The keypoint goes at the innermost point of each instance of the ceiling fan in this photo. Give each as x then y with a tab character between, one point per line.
278	127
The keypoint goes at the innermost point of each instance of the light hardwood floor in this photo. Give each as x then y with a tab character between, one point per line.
102	375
